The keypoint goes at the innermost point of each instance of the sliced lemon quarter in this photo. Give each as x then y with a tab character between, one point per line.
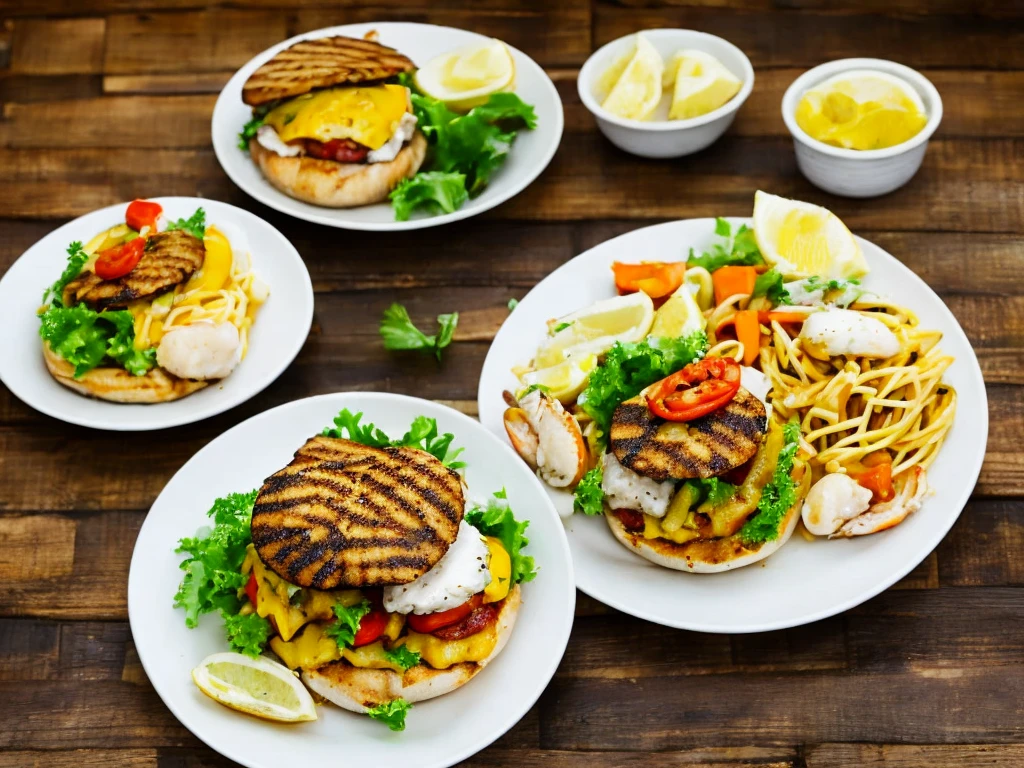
679	315
801	239
564	381
595	329
466	77
259	687
638	89
702	84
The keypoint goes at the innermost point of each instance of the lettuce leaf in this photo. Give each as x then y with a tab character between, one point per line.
84	338
344	629
770	284
399	333
588	497
195	224
76	260
391	713
778	496
436	191
247	634
402	656
423	434
497	520
739	249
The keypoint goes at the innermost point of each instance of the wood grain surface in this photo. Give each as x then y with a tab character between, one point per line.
106	100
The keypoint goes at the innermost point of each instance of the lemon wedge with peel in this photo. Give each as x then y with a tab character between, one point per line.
595	329
259	687
564	381
801	239
702	84
637	90
466	77
679	315
862	110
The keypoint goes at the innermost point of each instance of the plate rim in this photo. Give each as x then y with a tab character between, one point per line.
325	219
155	424
136	565
934	540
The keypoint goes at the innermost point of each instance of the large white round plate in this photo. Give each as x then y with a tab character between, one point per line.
439	732
277	335
531	152
804	581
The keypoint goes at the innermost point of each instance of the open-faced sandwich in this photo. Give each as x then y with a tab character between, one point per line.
362	566
719	401
150	310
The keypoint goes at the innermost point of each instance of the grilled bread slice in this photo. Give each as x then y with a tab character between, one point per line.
347	515
170	258
322	63
706	447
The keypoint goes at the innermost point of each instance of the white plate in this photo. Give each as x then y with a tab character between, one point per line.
804	581
439	732
277	335
531	152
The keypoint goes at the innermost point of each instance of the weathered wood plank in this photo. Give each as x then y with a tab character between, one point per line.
33	649
913	755
174	83
37	547
41	46
984	547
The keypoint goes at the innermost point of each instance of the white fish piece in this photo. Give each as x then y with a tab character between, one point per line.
390	149
201	351
268	138
757	384
837	332
561	453
832	501
625	489
455	578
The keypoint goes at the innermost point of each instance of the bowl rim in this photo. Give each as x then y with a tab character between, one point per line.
585	78
815	75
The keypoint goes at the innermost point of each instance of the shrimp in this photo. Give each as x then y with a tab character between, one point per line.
200	351
887	514
547	437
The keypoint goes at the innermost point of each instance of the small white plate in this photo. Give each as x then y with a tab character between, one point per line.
531	152
439	732
277	335
804	581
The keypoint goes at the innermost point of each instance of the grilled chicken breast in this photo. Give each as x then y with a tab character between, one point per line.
343	514
705	447
322	63
170	258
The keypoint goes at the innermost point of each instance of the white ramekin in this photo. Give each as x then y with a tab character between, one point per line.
852	172
670	138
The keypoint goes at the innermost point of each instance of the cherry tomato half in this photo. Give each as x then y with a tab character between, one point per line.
696	390
142	213
251	588
120	260
430	621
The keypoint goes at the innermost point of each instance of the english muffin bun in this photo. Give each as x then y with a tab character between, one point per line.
118	385
358	689
703	555
338	185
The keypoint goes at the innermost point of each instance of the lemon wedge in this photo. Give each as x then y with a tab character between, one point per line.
564	381
259	687
801	239
595	329
637	90
702	84
679	315
464	78
862	110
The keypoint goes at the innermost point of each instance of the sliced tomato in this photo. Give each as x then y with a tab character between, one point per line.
696	390
371	626
120	260
251	589
428	622
142	213
875	474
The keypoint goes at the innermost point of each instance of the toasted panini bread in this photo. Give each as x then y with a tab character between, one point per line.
170	258
358	689
706	447
338	185
322	63
118	385
347	515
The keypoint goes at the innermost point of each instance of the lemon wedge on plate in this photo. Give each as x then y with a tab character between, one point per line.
564	381
595	329
466	77
637	90
679	315
862	110
259	687
801	239
702	84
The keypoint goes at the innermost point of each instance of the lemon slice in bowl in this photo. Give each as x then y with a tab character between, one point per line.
679	315
801	239
466	77
638	89
259	687
702	84
564	381
595	329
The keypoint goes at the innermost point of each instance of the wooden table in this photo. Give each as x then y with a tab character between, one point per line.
111	99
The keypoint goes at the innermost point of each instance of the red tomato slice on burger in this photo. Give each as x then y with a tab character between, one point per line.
696	390
120	260
428	622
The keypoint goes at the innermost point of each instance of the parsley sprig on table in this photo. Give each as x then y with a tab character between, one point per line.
399	333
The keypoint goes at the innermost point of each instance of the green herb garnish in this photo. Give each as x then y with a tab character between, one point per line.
399	333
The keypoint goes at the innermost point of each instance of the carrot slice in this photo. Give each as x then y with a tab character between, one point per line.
748	333
729	281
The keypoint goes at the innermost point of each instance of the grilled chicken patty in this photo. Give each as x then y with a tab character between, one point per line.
170	258
705	447
343	514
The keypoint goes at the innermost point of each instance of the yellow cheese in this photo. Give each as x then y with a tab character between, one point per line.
309	650
442	654
370	657
653	530
367	115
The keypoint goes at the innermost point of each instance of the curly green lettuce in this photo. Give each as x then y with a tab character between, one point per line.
402	656
588	497
422	434
77	257
434	191
247	634
391	713
497	520
778	496
344	629
85	338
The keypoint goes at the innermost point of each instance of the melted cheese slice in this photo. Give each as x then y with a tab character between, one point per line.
441	654
367	115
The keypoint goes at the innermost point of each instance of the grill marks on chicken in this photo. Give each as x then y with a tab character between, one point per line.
706	447
343	514
169	259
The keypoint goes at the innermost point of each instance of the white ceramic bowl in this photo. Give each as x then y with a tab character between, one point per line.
666	138
852	172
